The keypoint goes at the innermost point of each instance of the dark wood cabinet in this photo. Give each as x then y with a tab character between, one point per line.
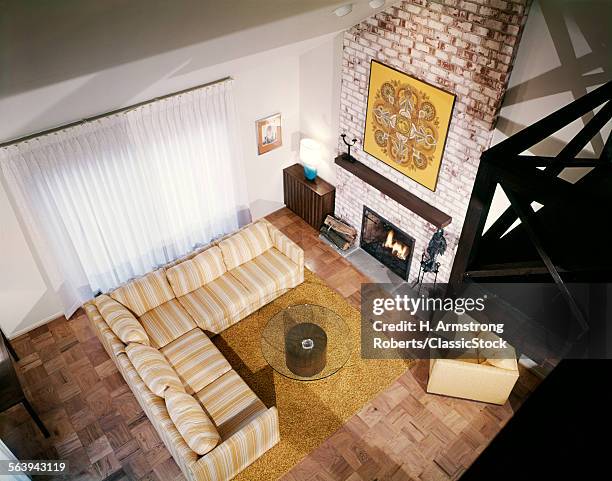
311	200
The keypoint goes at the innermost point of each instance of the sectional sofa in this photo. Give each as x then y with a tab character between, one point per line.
157	329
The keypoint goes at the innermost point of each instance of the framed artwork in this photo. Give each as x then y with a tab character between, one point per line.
269	133
407	123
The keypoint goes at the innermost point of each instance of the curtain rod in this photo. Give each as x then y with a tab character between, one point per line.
108	114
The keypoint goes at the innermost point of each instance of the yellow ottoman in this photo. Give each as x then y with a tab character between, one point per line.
486	380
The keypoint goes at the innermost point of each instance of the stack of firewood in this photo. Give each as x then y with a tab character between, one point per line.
338	232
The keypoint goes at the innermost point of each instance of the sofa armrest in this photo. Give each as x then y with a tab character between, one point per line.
287	246
111	343
239	450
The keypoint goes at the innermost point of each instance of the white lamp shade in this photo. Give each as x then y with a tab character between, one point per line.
310	152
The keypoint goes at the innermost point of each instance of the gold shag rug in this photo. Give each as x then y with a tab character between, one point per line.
309	411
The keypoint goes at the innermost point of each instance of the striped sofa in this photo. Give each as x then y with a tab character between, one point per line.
157	329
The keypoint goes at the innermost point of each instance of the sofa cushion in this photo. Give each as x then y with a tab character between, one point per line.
196	360
145	293
191	421
245	245
218	304
191	274
230	403
184	277
153	368
210	264
166	322
268	274
121	321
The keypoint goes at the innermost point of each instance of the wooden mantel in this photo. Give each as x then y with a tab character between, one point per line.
391	189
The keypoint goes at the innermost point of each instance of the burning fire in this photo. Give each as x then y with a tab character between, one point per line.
397	248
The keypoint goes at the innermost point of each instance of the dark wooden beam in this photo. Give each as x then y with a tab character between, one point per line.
407	199
526	214
593	126
606	153
537	185
533	183
501	225
475	219
509	269
552	166
550	124
523	180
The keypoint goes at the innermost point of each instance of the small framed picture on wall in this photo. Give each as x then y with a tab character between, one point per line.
269	133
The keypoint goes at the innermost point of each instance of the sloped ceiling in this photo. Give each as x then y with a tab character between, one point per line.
47	41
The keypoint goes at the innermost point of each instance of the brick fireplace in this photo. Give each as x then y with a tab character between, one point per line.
464	47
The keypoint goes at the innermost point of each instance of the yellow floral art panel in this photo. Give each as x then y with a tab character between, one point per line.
407	123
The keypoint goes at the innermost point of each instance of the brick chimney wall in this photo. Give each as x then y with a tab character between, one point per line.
464	47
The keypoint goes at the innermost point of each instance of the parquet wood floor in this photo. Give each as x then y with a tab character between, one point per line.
97	424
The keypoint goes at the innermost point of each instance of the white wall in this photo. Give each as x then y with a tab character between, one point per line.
320	72
265	83
565	52
264	90
25	298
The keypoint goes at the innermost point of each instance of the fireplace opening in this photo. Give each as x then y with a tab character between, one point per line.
386	242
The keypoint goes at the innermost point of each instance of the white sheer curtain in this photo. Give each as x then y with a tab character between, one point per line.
111	199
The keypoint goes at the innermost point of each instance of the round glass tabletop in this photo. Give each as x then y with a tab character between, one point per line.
306	342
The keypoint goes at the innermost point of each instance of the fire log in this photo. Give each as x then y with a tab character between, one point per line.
348	239
346	231
335	238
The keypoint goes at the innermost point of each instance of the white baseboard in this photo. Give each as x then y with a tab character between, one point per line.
42	322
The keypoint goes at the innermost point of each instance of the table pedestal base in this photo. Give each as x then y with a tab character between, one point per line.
306	349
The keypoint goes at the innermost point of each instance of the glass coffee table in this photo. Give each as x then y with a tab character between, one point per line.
306	342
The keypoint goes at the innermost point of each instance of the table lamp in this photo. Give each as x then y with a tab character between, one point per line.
310	156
